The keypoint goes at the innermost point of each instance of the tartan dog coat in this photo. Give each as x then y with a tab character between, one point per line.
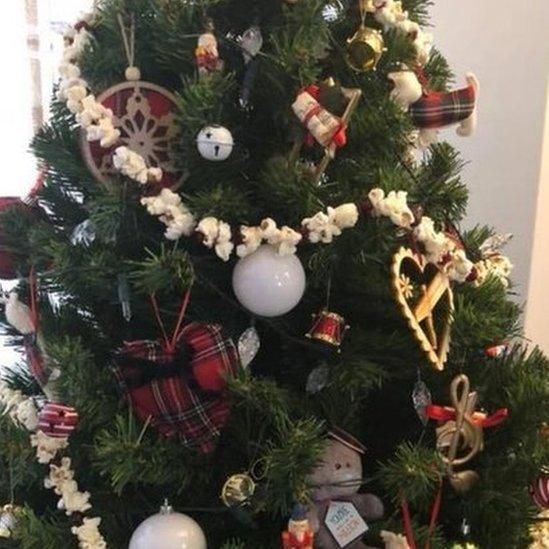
180	395
439	109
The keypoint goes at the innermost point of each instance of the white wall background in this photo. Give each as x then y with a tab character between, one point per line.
536	327
506	45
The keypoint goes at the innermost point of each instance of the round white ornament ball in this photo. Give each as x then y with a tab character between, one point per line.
215	143
168	530
267	283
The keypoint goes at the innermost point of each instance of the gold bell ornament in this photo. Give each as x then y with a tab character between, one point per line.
366	46
238	490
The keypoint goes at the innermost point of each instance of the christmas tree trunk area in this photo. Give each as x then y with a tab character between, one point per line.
248	313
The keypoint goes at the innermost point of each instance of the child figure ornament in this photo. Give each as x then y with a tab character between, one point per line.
338	514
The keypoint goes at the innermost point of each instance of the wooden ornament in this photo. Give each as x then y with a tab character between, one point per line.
460	434
426	300
145	114
351	97
238	490
460	440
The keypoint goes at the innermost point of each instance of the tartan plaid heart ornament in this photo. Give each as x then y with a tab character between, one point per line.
180	389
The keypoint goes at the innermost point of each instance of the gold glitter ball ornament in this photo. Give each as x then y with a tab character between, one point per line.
238	490
365	48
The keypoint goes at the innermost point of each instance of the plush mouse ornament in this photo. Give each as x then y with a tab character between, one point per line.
338	479
432	111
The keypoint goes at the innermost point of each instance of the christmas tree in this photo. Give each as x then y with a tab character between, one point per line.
243	288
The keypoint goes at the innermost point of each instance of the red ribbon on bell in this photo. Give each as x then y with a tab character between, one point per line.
328	327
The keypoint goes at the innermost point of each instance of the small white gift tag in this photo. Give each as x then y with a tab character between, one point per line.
344	522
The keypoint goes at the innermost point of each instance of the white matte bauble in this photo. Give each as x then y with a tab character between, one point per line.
267	283
168	530
215	143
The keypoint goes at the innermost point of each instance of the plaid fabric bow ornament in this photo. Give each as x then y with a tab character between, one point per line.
179	388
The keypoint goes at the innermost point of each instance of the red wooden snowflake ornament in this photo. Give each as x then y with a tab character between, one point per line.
145	114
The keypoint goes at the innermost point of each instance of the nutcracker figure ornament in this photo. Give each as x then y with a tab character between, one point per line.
299	534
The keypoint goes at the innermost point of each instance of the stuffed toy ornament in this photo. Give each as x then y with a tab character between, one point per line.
338	479
431	111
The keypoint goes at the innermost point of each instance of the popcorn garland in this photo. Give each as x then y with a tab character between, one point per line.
322	228
390	15
96	120
540	531
439	248
24	413
216	234
20	408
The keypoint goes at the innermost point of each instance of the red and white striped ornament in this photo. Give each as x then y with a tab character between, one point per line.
540	489
57	420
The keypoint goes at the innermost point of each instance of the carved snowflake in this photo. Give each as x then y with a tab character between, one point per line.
145	114
406	286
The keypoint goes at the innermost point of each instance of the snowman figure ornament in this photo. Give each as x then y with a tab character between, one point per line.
215	143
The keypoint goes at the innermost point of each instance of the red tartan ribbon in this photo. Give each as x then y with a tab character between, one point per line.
443	414
180	397
439	109
339	138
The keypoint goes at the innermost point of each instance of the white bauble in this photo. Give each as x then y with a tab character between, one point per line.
168	530
215	143
267	283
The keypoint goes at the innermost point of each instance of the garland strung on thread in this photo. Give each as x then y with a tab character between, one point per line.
23	411
217	234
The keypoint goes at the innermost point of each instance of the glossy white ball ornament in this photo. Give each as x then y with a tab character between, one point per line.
168	530
267	283
215	143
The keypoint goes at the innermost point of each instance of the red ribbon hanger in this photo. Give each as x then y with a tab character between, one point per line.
171	343
444	413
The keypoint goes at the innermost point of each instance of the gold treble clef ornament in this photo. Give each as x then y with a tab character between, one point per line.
459	440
